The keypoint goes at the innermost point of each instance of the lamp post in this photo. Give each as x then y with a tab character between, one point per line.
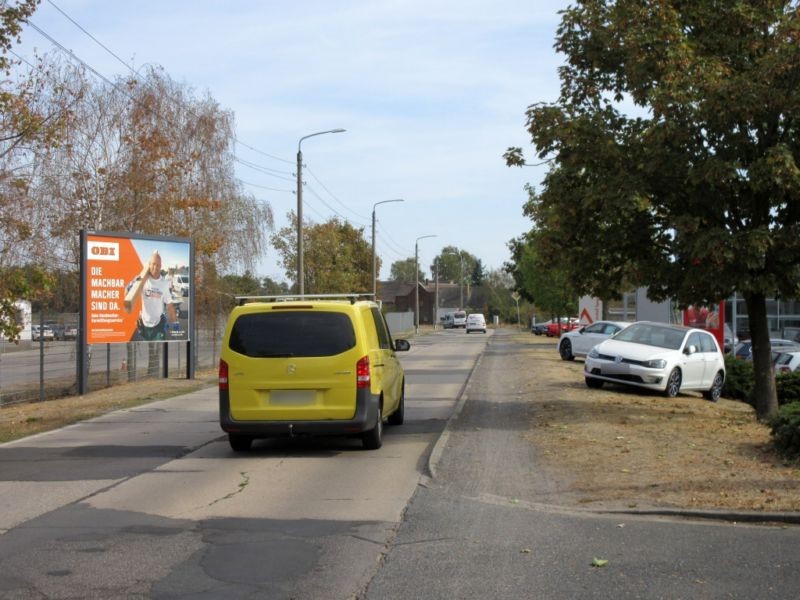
374	275
416	279
461	281
300	278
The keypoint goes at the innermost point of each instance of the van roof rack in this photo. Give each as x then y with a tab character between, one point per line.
352	297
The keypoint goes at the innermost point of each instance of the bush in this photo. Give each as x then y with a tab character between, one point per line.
788	387
786	429
738	379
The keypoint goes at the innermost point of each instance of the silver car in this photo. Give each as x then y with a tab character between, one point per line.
579	341
657	356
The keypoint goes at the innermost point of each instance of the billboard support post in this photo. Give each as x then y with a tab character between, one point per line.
83	368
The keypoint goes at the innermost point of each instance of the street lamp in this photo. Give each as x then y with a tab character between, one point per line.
416	279
461	281
374	275
300	278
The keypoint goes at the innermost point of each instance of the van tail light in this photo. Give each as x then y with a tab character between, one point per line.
362	372
223	375
784	369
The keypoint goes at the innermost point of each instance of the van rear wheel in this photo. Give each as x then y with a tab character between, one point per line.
373	439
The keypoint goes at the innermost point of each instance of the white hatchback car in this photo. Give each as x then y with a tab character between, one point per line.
579	341
476	322
657	356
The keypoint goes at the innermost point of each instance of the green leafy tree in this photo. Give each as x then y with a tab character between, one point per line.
270	286
455	264
546	284
695	192
337	257
403	270
477	273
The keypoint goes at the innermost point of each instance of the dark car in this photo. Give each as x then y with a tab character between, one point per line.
744	350
539	328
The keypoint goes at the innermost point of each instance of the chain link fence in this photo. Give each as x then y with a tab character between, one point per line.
46	366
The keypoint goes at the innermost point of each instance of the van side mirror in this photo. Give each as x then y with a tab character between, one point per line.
402	345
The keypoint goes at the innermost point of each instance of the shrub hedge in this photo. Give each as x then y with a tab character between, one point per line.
738	379
786	429
739	383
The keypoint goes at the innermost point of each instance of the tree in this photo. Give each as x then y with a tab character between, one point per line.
455	263
697	193
337	257
477	273
25	125
546	284
403	270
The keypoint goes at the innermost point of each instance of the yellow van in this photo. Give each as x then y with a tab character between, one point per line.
309	365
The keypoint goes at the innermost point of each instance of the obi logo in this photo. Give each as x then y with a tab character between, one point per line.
104	251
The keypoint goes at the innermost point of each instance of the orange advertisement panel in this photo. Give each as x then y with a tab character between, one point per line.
136	289
711	318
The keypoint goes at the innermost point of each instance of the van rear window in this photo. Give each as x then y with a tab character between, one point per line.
292	333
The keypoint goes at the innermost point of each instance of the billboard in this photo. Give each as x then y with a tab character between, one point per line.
137	288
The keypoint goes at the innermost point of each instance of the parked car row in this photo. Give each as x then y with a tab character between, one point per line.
555	327
744	349
52	331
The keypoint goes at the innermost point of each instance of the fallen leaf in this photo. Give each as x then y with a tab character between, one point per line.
599	562
525	551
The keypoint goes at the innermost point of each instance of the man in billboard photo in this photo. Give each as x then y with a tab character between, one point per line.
157	301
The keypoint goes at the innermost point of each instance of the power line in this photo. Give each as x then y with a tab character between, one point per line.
362	217
264	187
131	69
265	170
397	246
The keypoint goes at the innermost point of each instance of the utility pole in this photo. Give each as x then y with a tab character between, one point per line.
374	260
300	276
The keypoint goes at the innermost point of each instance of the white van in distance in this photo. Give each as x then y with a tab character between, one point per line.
455	319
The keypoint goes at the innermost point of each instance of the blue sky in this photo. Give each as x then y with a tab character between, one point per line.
430	93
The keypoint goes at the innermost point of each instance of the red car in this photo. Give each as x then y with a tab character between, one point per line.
566	325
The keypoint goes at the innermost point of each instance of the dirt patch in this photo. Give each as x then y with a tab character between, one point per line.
28	418
623	448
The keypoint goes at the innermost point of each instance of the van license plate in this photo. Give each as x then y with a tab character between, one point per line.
292	397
